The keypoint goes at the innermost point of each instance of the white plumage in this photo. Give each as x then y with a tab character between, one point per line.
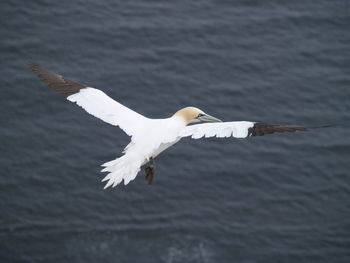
98	104
149	137
237	129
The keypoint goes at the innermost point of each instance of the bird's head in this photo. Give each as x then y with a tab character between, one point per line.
194	115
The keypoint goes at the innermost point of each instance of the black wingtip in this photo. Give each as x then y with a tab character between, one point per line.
261	128
33	66
55	81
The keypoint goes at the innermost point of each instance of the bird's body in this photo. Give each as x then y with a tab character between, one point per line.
153	138
149	137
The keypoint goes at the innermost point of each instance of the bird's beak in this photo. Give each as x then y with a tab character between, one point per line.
208	118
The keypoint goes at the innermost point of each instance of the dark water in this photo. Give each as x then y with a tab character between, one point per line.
277	198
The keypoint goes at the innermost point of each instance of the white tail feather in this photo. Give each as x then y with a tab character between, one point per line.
124	168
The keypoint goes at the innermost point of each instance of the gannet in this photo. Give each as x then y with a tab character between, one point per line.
150	137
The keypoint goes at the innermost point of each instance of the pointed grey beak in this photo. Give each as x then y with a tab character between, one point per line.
208	118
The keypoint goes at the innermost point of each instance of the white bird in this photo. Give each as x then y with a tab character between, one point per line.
149	137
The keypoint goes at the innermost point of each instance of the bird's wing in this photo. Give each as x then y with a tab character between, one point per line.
94	101
238	129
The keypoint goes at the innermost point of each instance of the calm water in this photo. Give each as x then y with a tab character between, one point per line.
277	198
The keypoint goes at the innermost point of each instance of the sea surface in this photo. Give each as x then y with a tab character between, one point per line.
276	198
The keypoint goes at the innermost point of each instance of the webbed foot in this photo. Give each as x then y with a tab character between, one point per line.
150	171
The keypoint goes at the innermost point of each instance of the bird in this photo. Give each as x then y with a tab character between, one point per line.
150	137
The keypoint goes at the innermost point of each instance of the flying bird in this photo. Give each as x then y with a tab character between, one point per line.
150	137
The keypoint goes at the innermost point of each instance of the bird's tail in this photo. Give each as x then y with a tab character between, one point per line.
124	168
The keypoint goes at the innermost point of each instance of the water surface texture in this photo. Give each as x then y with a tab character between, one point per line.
276	198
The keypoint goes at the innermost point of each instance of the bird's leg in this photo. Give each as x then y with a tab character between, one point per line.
150	171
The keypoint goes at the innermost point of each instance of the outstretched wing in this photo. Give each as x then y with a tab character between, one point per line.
238	129
94	101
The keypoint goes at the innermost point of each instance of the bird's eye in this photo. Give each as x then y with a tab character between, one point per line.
200	115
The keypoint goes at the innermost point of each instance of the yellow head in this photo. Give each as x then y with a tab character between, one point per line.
194	115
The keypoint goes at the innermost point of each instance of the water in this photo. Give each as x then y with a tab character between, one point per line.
276	198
